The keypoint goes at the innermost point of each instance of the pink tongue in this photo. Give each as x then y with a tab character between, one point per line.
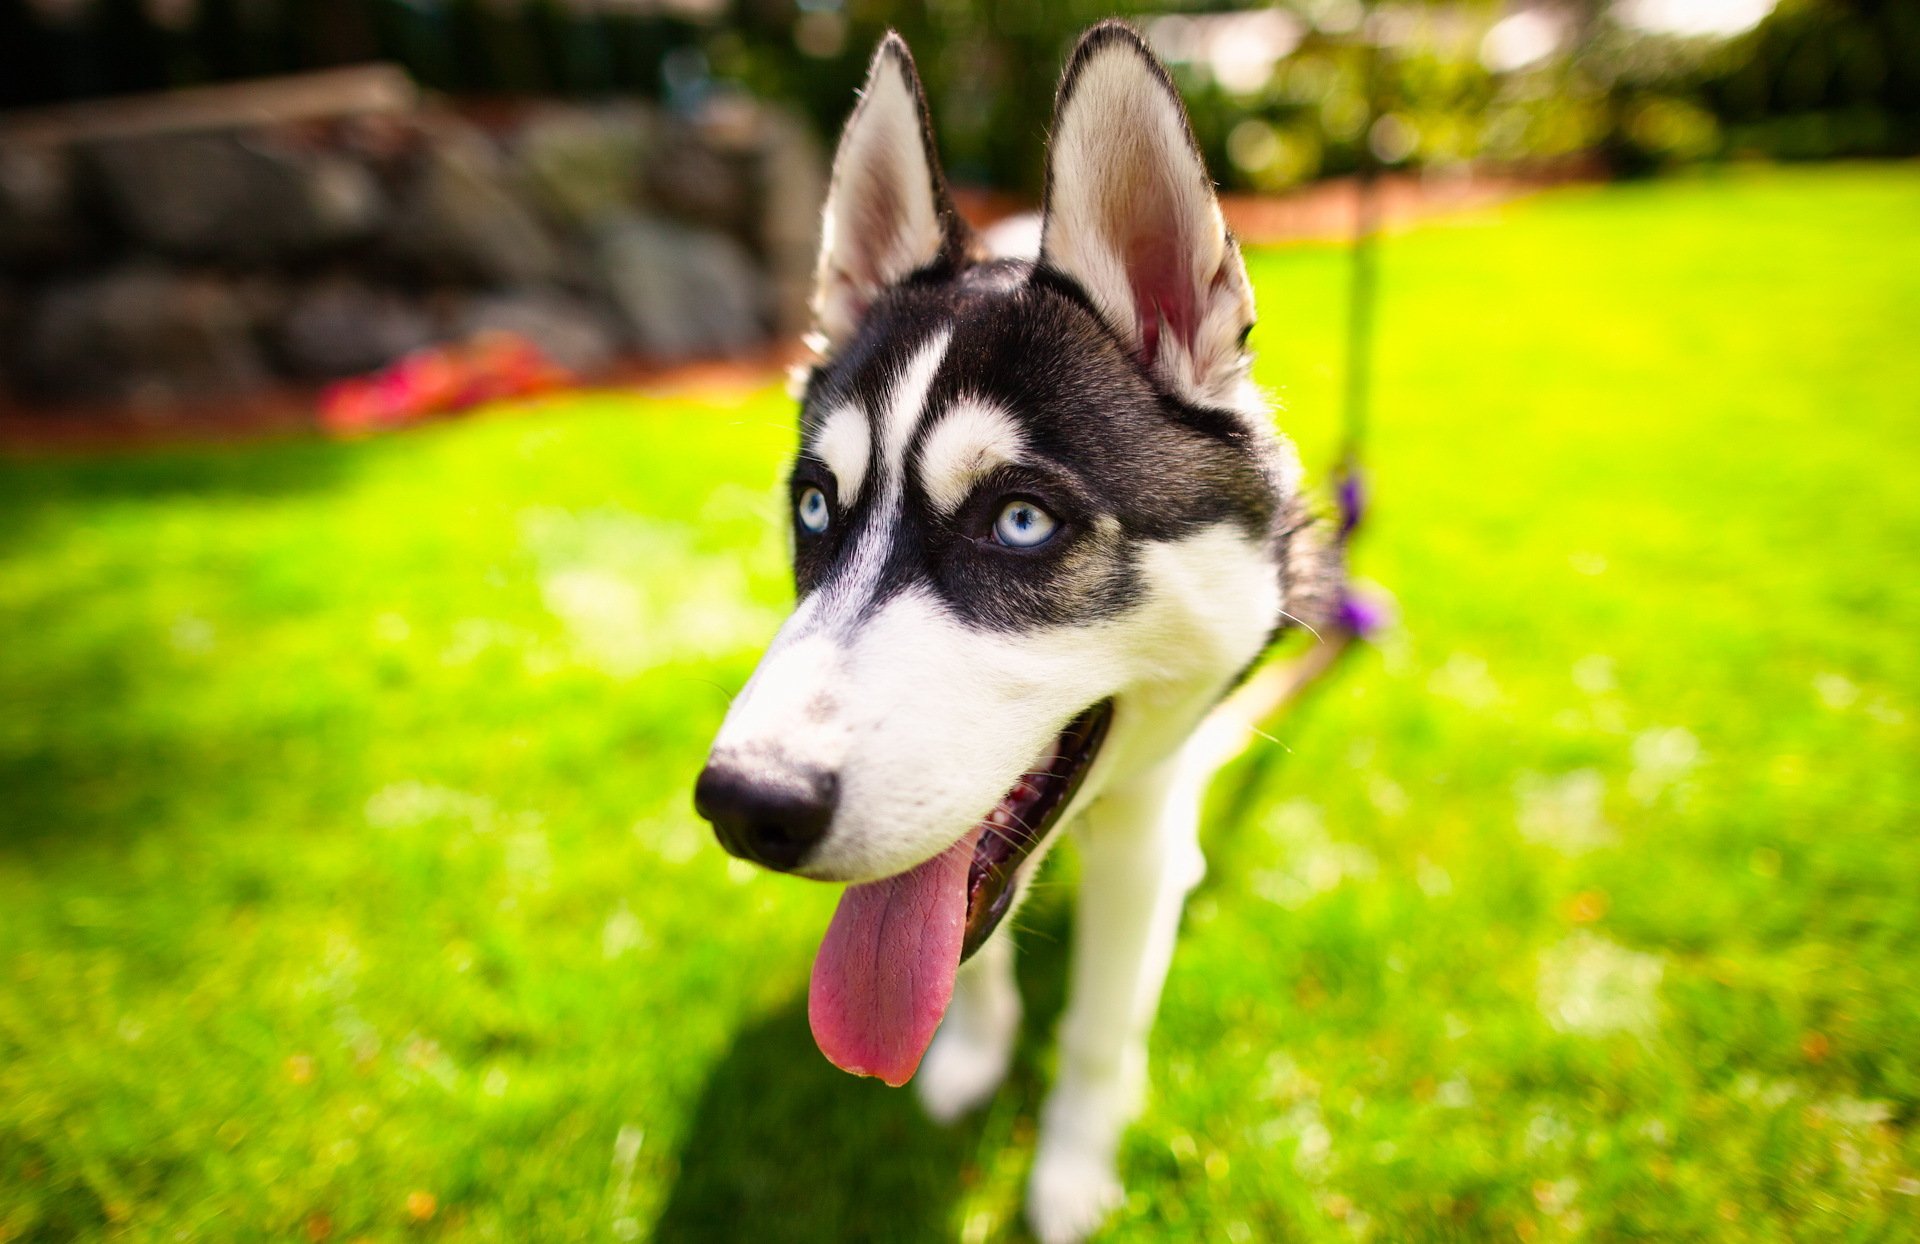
884	974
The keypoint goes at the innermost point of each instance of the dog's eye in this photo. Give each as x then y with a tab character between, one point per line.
812	509
1023	525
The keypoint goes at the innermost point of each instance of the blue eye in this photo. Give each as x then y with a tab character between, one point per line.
813	511
1023	525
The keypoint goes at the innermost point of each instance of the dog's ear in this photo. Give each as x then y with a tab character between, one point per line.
1132	218
888	214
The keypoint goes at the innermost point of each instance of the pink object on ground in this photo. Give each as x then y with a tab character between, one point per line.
488	367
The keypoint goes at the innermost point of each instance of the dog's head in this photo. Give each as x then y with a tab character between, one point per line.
1038	516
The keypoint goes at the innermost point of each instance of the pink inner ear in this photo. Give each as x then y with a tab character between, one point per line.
1157	260
877	213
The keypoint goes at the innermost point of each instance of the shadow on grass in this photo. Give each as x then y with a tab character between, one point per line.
98	756
36	490
100	761
786	1147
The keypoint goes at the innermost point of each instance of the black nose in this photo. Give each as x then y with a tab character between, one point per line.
770	816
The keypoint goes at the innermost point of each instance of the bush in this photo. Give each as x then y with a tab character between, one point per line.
1816	78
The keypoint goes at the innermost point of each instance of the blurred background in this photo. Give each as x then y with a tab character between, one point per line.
206	198
349	883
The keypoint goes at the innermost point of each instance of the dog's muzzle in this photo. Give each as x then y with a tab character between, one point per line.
770	816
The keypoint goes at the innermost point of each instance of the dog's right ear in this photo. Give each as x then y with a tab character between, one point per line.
1132	218
888	214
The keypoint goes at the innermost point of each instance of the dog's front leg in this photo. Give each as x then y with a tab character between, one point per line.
1141	856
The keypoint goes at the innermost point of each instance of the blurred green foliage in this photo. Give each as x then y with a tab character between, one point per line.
1418	84
350	887
1821	79
1816	78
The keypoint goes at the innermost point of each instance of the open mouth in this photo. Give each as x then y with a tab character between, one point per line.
885	971
1022	820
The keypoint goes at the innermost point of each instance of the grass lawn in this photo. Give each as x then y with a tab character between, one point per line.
349	886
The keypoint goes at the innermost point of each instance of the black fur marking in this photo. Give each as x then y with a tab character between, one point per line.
1116	459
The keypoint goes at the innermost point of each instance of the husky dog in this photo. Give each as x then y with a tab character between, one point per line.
1041	529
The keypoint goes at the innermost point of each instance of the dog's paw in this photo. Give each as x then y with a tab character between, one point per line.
1070	1195
962	1070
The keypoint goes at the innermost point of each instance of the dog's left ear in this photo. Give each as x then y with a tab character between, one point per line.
888	213
1131	216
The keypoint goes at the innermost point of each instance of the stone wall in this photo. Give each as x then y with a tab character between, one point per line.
154	263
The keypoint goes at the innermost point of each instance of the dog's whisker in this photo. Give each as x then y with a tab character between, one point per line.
708	682
1001	834
1304	624
1021	822
1271	739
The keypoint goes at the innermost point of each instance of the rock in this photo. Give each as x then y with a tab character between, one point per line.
40	221
12	316
582	167
566	329
793	188
342	326
143	333
691	180
458	220
191	263
233	197
681	292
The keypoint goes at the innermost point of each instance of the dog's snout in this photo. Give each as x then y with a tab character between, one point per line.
771	817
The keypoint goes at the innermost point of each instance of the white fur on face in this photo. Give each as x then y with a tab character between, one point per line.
905	402
881	223
927	721
790	712
845	444
906	405
1131	216
969	443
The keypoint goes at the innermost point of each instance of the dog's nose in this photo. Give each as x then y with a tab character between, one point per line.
770	817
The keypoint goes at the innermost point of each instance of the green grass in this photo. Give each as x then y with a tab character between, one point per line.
346	857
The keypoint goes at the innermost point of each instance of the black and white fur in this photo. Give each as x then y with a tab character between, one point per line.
925	667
